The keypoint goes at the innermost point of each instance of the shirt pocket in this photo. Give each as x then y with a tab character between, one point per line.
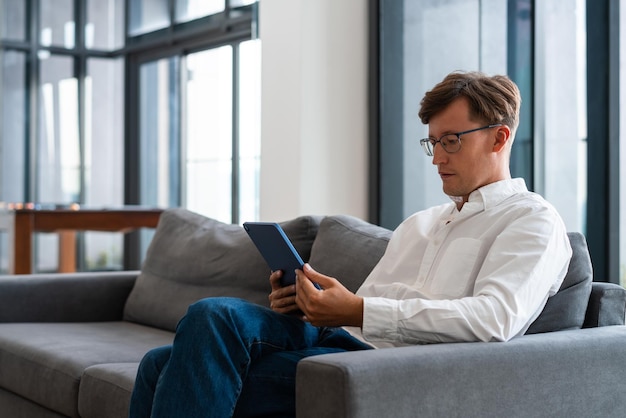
456	267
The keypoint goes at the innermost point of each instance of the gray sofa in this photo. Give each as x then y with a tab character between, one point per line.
70	344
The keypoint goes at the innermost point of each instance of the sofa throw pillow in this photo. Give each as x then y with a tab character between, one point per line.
348	248
192	257
566	309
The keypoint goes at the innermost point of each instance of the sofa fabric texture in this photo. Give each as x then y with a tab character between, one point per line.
44	362
566	374
192	257
70	344
348	248
566	309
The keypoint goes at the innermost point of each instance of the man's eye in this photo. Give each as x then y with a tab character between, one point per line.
448	140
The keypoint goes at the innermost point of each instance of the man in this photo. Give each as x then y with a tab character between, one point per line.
478	269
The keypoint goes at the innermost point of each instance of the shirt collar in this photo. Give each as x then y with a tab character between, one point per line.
495	193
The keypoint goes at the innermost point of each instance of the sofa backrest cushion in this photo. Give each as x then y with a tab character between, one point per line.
192	257
566	309
348	248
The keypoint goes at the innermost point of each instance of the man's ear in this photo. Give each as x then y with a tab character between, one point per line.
502	137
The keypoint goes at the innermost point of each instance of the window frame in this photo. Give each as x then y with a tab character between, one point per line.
602	219
231	26
179	39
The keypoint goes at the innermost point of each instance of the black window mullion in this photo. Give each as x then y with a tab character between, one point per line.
602	230
391	113
235	140
80	72
175	163
521	63
172	12
32	101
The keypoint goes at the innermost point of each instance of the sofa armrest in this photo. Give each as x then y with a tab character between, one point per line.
567	373
70	297
607	305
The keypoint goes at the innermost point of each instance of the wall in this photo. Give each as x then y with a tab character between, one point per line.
314	108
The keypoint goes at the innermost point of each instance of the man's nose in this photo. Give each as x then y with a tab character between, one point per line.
439	154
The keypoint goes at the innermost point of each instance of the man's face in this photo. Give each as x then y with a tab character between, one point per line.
477	162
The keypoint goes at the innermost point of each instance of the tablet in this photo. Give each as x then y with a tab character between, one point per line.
276	249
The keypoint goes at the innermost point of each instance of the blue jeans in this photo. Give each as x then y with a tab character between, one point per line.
231	358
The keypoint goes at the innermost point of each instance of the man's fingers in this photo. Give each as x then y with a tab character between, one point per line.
275	279
283	302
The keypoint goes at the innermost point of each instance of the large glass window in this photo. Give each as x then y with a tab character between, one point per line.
66	113
58	148
12	136
470	45
199	117
57	23
58	175
13	19
103	165
540	45
560	131
209	150
159	146
13	126
104	28
204	154
147	16
193	9
73	129
249	129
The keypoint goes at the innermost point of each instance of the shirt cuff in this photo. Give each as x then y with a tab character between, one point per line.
380	318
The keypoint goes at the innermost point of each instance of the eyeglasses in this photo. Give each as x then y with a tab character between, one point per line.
451	143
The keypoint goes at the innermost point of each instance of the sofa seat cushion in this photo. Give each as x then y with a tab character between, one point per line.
348	248
44	362
192	257
15	406
105	390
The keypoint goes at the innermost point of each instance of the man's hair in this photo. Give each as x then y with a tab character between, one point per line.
492	99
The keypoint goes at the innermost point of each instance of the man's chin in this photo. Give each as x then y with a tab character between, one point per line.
451	191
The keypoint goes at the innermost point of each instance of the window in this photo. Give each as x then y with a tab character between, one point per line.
202	150
199	128
560	128
113	116
209	126
565	55
13	153
543	51
471	34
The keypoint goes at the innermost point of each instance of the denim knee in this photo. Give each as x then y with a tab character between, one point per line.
216	310
215	306
153	362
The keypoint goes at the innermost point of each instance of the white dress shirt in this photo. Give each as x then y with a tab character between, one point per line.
483	273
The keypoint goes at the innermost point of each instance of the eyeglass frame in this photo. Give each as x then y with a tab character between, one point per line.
435	141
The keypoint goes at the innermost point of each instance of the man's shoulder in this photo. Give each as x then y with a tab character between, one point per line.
530	201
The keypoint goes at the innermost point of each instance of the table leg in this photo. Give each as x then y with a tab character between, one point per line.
23	244
67	251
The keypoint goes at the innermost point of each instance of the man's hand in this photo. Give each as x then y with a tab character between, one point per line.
333	306
282	299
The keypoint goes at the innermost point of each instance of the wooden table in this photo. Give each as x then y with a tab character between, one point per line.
23	221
